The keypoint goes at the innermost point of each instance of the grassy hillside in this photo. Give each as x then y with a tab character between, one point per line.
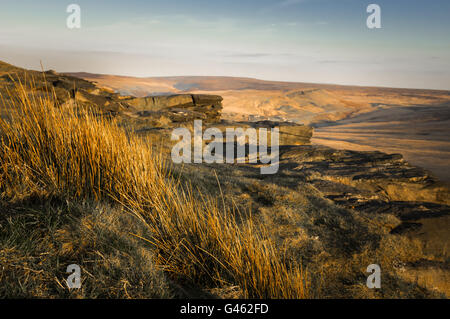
77	187
54	154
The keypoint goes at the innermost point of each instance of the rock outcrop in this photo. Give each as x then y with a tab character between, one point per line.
71	91
68	90
369	182
180	107
289	133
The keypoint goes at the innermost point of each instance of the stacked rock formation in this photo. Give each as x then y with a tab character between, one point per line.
180	107
71	91
67	89
289	133
144	114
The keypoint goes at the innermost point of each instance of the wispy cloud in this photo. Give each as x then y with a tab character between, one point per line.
254	55
287	3
281	5
247	55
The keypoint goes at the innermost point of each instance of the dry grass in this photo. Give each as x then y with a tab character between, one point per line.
47	152
38	242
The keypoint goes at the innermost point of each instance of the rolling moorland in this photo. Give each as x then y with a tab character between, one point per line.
414	123
86	178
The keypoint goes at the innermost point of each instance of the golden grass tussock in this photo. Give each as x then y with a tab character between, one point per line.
53	151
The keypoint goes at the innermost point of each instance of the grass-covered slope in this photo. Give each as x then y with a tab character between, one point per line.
50	153
77	187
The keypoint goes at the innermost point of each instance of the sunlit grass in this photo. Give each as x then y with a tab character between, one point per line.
49	151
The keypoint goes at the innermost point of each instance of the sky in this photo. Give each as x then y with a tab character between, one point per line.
318	41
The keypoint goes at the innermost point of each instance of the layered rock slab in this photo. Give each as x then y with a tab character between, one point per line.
180	107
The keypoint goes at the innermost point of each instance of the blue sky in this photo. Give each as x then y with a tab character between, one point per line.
324	41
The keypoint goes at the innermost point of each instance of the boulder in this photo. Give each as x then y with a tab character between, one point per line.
289	133
181	107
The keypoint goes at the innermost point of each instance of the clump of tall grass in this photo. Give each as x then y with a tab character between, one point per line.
47	150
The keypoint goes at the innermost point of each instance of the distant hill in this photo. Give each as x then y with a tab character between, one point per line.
156	85
413	122
103	190
246	98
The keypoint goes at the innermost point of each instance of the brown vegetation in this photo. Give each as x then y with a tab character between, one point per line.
50	153
79	186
